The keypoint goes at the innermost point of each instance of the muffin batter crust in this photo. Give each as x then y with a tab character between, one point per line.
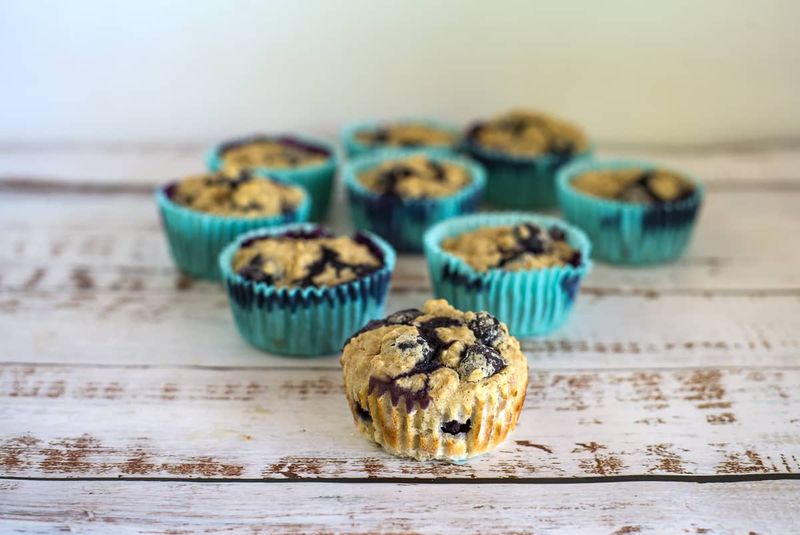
271	153
513	248
634	185
241	195
415	177
529	134
406	135
299	261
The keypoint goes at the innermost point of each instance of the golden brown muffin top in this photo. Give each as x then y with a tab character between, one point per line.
436	355
513	248
415	177
270	153
529	134
241	195
406	134
634	185
300	260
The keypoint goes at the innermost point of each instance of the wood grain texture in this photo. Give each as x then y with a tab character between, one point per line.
33	507
727	302
153	163
114	366
191	422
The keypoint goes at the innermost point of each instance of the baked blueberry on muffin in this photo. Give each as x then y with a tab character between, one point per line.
521	151
240	195
361	138
518	247
302	290
523	268
435	383
201	214
634	212
399	195
308	162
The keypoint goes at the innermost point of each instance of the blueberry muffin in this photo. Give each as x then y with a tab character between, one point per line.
399	195
293	261
408	135
520	247
203	213
523	268
240	195
302	290
435	383
521	151
308	162
420	134
270	153
634	185
634	212
414	177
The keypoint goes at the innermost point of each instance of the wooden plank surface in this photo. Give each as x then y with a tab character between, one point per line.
728	302
153	163
34	507
114	366
161	421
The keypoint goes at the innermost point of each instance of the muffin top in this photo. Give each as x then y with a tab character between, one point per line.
634	185
272	152
240	195
406	134
529	134
513	248
298	259
437	355
415	177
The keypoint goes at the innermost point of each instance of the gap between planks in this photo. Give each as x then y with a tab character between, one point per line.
51	185
615	508
577	480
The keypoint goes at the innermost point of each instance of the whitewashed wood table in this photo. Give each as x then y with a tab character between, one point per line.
670	403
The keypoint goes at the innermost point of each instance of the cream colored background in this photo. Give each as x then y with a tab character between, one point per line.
673	72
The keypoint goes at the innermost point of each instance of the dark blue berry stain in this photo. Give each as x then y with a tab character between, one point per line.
470	282
658	213
571	284
661	216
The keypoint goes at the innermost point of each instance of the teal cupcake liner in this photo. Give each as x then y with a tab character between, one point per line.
305	321
353	147
195	238
518	182
316	179
627	233
403	222
531	303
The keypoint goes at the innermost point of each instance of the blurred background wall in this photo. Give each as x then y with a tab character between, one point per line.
676	72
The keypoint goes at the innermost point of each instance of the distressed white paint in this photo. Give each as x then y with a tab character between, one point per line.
732	300
769	507
141	407
164	421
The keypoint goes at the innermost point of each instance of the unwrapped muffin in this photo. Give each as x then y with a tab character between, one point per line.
435	383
